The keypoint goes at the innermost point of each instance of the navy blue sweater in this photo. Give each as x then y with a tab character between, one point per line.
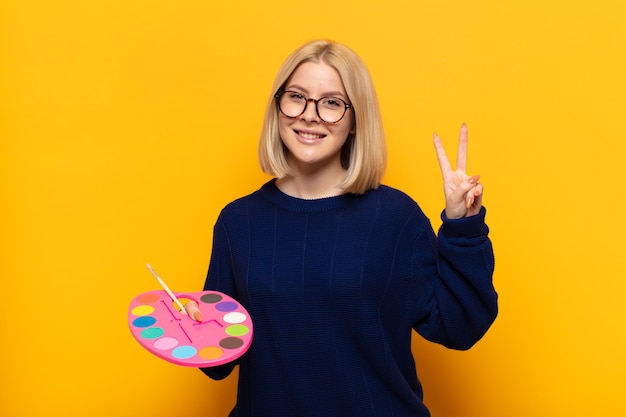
335	287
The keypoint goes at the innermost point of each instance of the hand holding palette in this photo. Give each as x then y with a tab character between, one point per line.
159	324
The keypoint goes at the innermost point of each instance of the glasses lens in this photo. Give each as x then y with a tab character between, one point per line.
331	109
291	103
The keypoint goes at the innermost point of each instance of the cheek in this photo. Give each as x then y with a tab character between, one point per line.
345	130
284	127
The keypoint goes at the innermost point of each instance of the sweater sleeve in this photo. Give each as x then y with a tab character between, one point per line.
463	302
220	278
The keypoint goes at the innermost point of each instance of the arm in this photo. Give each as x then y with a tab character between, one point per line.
459	300
464	301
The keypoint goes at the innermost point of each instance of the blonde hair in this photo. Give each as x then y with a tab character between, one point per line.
364	155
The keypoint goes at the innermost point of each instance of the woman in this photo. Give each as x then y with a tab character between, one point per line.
335	269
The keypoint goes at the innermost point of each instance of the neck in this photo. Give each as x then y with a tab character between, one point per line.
312	186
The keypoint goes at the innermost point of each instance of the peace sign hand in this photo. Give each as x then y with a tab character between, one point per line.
463	193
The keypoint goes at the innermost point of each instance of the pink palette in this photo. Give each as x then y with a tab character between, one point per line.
223	335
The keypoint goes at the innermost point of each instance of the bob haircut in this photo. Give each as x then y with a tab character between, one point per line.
364	155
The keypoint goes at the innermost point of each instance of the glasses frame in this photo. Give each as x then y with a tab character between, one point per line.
306	104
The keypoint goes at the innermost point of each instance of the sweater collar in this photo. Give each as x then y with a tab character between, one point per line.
270	191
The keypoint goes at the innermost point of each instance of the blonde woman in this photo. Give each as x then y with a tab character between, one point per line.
337	270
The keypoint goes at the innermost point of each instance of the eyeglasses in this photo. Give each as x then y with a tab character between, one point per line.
293	104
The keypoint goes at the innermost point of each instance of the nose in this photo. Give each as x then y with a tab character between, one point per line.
310	112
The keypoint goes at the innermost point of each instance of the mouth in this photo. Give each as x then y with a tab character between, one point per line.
309	136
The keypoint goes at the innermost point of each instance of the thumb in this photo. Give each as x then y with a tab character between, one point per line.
193	311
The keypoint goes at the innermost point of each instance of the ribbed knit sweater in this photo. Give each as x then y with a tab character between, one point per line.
334	287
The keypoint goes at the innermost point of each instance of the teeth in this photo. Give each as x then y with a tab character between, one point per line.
310	135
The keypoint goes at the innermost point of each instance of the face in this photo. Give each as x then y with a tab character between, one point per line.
312	143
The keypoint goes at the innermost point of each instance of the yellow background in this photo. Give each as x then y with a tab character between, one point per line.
127	125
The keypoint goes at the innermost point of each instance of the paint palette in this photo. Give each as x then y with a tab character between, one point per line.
223	335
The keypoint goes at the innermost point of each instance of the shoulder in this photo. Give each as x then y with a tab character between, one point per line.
392	202
243	205
394	195
394	198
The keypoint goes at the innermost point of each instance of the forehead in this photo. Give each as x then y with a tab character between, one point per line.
316	78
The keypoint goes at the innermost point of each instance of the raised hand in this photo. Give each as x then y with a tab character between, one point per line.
463	193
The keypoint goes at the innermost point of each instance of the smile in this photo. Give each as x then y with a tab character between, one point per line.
309	135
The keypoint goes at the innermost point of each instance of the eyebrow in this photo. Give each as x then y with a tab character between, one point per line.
326	94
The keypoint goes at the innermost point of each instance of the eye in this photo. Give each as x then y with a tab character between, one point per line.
333	103
293	96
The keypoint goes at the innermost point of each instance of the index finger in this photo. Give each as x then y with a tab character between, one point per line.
461	157
444	164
